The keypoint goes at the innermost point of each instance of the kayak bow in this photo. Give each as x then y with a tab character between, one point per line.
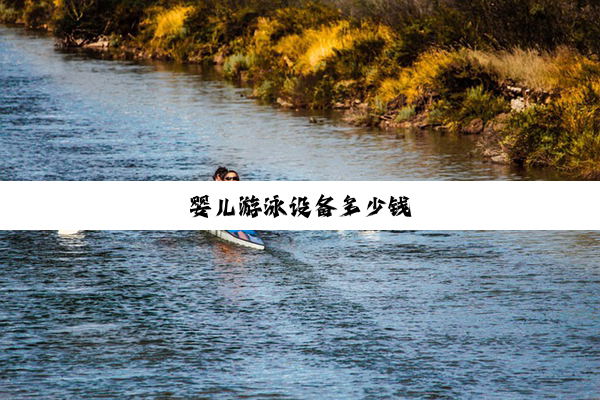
247	240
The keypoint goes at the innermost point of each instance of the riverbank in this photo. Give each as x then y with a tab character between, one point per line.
531	107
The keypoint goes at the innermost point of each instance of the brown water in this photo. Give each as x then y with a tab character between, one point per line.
73	116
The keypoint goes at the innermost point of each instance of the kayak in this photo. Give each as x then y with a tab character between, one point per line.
67	232
248	240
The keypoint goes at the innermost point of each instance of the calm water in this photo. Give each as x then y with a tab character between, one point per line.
66	116
318	315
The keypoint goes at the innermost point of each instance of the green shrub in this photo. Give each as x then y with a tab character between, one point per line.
235	64
38	14
405	113
479	103
266	91
10	13
564	134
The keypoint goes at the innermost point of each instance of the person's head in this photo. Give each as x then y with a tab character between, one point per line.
220	174
231	175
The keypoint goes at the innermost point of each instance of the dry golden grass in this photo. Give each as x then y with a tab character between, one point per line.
413	81
562	69
529	68
170	22
307	51
537	70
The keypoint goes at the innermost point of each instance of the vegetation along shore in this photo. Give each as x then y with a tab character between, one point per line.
522	74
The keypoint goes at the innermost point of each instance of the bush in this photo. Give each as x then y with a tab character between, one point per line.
235	25
294	20
169	23
564	134
235	64
9	13
437	73
479	103
38	14
405	113
82	21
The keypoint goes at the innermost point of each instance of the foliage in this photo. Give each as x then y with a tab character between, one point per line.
527	67
235	64
14	4
435	72
37	14
564	134
406	113
9	13
456	59
82	21
294	20
169	23
538	70
334	53
501	24
479	103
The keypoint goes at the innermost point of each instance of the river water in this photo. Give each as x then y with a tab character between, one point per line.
70	116
317	315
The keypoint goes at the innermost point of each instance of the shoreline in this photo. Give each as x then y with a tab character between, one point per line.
529	107
358	113
495	129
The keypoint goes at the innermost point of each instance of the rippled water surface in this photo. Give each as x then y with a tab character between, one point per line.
67	116
317	315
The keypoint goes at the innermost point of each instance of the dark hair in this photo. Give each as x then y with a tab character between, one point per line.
225	174
220	172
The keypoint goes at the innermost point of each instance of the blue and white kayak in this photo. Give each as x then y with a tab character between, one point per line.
241	237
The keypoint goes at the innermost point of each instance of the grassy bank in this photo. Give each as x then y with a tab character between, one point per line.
524	75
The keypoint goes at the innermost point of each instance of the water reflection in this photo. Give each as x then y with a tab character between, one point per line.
73	240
